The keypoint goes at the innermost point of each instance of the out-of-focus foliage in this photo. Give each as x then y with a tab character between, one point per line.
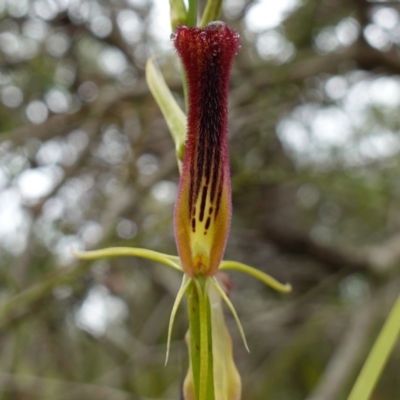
86	161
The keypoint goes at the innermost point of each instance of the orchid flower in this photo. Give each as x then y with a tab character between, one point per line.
203	209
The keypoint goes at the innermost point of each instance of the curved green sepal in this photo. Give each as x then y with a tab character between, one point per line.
166	259
174	116
232	308
211	13
262	276
185	284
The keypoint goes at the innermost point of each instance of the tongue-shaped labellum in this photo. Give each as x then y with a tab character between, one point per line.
203	208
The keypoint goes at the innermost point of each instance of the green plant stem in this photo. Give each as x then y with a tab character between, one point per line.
192	13
378	356
203	375
194	329
200	339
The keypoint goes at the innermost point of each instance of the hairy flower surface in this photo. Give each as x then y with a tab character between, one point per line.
203	208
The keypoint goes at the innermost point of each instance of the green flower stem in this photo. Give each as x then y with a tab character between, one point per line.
194	331
262	276
192	13
211	12
130	251
200	339
202	289
378	356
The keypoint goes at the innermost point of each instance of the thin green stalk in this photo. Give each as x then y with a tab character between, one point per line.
194	330
203	375
378	356
201	339
192	13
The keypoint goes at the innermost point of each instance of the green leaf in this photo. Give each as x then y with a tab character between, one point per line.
211	13
378	356
173	114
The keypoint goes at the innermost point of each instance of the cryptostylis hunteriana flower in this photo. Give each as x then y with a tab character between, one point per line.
203	208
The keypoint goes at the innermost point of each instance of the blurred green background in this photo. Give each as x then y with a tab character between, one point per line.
86	161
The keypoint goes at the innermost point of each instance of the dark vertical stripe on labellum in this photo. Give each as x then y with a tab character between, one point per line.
207	55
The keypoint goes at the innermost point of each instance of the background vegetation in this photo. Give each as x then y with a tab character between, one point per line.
86	160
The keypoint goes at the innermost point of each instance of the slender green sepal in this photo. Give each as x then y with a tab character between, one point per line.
166	259
211	13
232	308
192	13
178	13
173	114
378	356
185	284
262	276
